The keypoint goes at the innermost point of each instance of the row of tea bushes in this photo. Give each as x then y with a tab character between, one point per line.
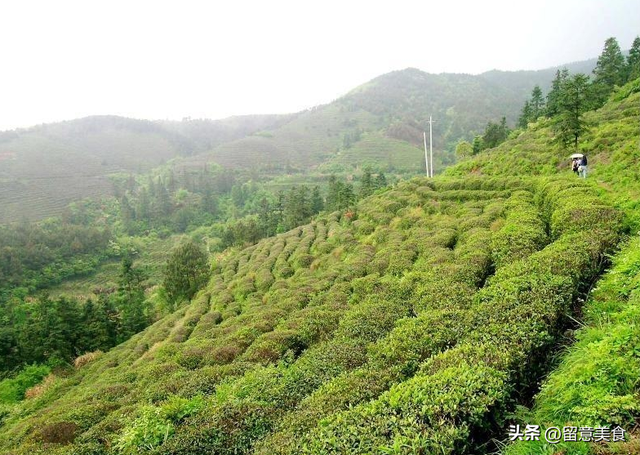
287	323
460	395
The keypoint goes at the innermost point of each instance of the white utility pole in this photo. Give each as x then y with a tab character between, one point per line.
430	145
426	157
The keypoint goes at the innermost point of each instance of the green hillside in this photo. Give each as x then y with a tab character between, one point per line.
393	106
422	321
521	82
44	168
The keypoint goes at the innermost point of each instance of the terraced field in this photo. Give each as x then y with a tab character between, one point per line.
153	254
378	152
415	323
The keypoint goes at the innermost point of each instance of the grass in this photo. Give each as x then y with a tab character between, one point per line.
596	383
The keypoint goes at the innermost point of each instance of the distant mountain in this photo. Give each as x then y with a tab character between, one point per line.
44	168
389	114
378	124
521	82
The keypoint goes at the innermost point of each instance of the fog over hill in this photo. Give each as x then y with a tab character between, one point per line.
380	123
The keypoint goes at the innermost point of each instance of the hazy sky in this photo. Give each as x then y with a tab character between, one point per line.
159	59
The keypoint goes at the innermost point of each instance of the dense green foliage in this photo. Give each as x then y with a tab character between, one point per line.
571	96
12	390
56	330
36	256
597	382
36	328
186	272
416	318
292	333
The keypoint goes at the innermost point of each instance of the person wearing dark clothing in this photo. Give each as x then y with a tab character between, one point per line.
582	168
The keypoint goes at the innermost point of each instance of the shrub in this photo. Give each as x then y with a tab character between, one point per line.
13	389
58	433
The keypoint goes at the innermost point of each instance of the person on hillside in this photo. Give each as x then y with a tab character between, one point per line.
574	165
582	168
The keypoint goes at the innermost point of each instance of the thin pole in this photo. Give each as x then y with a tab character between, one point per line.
426	157
431	144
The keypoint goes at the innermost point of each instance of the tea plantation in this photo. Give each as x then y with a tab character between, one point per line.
423	321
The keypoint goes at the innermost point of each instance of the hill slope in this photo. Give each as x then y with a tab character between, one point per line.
380	330
44	168
396	105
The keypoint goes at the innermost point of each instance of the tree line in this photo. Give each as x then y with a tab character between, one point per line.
297	206
568	99
46	330
56	330
571	96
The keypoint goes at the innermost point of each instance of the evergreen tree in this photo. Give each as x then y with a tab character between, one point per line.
131	301
525	116
553	97
297	208
537	103
98	329
366	184
609	71
633	60
238	195
209	202
143	209
127	214
267	217
164	206
186	271
495	133
333	193
569	124
346	197
477	145
317	203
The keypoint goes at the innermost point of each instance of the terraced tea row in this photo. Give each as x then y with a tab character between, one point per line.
363	330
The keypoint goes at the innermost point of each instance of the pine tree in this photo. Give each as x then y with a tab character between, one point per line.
609	71
317	203
525	116
478	145
553	97
537	103
633	60
209	202
366	184
347	196
495	133
573	101
131	301
333	193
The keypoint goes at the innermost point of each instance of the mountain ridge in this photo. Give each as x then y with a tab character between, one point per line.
383	118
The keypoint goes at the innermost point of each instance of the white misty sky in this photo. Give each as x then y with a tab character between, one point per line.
170	59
